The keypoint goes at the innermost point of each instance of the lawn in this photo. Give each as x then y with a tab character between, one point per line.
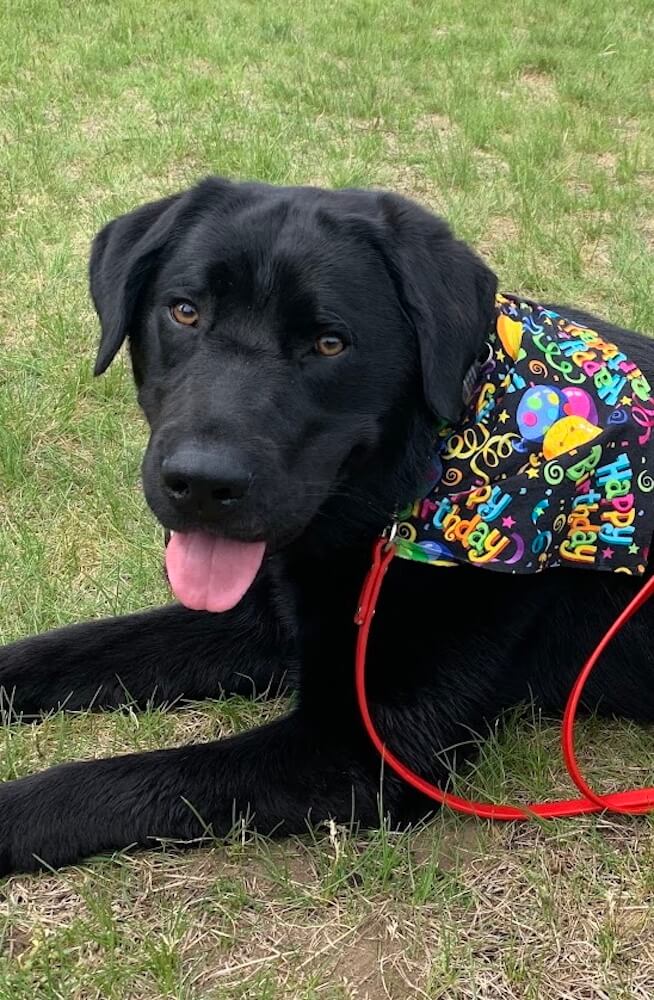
529	125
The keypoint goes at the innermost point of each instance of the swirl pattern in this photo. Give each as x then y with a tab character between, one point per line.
538	368
452	476
645	482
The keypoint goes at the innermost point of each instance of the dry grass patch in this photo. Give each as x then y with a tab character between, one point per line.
491	167
647	229
539	85
411	180
607	161
18	333
502	229
595	255
520	912
436	124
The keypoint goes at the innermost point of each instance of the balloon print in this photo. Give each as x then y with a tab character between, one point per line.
579	403
539	408
436	550
567	434
510	332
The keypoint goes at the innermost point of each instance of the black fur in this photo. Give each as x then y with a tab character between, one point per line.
334	444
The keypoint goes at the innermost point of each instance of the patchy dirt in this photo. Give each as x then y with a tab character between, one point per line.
607	161
539	85
436	124
647	230
596	255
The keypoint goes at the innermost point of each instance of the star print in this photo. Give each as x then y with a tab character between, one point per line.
633	549
507	522
542	557
607	553
538	510
532	473
625	401
500	355
503	417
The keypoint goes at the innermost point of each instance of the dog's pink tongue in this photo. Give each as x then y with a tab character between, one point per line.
208	573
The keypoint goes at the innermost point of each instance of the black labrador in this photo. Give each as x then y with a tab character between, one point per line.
291	348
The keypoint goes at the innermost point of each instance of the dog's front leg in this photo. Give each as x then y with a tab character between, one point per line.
279	776
156	656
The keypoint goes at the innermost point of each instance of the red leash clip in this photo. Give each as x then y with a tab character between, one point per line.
633	802
382	553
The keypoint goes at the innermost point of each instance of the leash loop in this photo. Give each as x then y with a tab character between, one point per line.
632	802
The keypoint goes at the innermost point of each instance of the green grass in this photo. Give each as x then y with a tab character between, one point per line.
530	127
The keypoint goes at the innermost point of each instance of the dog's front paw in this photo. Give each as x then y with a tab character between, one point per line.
69	812
9	827
30	827
19	681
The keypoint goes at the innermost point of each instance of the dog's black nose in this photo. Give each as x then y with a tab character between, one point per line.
201	481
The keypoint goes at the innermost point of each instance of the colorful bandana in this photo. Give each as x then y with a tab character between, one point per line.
550	465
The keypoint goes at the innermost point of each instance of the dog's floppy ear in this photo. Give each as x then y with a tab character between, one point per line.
448	294
122	255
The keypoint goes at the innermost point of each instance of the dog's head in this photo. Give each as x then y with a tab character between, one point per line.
285	343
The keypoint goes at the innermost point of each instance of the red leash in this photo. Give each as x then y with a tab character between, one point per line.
637	800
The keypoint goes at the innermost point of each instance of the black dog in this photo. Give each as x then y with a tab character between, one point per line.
291	348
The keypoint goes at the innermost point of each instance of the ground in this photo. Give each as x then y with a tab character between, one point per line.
530	127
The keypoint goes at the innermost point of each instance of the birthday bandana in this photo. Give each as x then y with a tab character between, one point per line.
551	464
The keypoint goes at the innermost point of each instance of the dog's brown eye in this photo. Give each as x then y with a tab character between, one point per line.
329	346
184	313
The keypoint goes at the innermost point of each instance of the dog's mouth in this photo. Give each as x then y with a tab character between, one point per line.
210	573
210	568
